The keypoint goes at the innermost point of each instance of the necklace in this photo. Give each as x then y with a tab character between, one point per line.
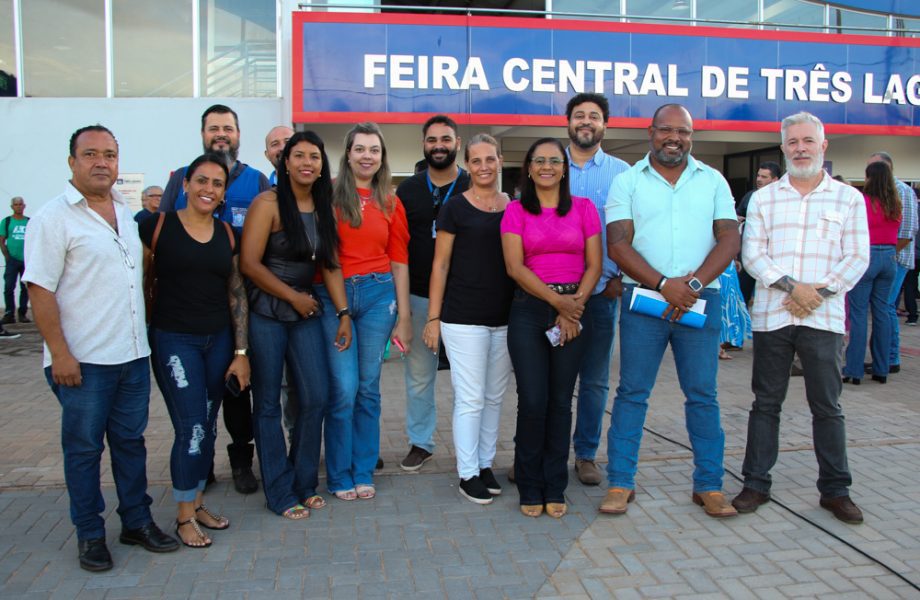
312	239
493	207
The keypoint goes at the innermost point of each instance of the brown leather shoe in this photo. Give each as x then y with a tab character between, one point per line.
844	509
616	500
748	500
715	504
587	471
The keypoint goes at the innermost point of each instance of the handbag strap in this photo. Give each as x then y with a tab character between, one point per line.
156	233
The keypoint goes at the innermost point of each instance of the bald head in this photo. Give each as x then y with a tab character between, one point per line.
275	141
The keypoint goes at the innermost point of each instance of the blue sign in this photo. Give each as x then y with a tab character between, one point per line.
488	70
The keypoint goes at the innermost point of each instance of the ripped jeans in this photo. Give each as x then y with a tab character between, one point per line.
189	370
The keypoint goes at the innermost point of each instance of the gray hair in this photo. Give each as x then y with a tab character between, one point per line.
884	156
148	188
798	119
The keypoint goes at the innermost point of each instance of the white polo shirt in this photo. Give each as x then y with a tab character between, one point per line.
95	274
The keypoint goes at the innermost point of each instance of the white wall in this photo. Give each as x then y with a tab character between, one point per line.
155	136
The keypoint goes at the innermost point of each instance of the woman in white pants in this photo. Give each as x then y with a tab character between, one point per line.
469	302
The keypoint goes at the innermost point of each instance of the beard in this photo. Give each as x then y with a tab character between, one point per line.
229	154
805	172
441	163
585	138
670	160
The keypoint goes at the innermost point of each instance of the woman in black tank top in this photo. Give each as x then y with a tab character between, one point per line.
290	241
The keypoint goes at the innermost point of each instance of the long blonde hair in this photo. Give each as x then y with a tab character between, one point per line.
345	192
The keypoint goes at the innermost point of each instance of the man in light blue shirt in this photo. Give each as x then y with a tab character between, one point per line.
905	259
591	171
671	227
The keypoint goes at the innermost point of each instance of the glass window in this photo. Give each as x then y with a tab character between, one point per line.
603	8
8	84
153	47
793	12
744	11
677	9
841	19
238	56
64	48
907	27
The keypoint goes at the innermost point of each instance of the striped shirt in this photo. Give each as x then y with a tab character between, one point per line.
909	222
819	238
593	181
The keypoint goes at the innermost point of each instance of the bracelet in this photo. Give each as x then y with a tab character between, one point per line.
343	313
661	283
240	352
433	319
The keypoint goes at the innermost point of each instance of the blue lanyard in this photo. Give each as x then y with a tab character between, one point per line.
449	190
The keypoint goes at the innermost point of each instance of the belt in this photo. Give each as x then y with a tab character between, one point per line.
566	289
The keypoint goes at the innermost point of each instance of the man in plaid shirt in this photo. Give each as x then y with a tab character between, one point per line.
806	242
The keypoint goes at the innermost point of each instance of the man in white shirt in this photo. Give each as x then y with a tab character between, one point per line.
806	242
83	268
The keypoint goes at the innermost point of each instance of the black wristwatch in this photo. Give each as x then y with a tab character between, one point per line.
695	284
342	313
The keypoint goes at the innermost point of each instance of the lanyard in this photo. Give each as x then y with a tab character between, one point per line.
450	190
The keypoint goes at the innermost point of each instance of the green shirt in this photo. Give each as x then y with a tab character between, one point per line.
14	230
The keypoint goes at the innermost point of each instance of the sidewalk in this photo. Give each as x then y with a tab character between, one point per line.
420	538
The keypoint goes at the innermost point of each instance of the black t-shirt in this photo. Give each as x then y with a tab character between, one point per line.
191	277
421	212
478	290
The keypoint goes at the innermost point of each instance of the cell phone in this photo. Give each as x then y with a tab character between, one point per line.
233	385
554	335
399	345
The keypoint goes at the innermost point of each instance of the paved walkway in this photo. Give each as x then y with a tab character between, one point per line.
419	537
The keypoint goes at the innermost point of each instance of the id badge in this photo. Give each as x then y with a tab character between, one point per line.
434	230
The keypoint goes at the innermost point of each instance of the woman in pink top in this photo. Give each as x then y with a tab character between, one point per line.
883	212
552	248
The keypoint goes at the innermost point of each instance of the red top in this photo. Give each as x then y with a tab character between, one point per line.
379	239
881	229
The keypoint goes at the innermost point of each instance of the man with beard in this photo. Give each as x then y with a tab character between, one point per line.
220	133
591	171
422	195
274	146
806	242
671	227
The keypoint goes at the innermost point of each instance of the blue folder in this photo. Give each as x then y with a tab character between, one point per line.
652	304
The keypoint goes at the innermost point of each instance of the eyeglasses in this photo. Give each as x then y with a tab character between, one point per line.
125	253
540	161
680	131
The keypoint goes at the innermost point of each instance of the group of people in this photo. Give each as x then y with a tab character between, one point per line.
295	287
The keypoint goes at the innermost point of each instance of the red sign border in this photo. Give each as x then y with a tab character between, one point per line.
301	17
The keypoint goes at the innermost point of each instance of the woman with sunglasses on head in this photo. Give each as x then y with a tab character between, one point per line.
552	248
288	239
469	301
199	317
373	252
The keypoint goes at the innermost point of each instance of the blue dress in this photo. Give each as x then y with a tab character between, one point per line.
736	320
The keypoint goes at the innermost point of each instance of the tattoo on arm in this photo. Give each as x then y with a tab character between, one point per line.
617	232
784	283
720	225
239	307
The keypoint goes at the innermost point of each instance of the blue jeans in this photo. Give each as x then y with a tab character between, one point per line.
873	290
11	273
111	403
421	371
545	377
189	370
894	356
818	351
643	341
289	476
594	376
352	432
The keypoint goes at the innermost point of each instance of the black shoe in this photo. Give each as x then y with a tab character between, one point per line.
379	464
891	368
245	481
853	380
844	509
7	335
474	490
8	319
748	500
94	555
880	378
911	322
488	479
24	319
415	459
150	537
